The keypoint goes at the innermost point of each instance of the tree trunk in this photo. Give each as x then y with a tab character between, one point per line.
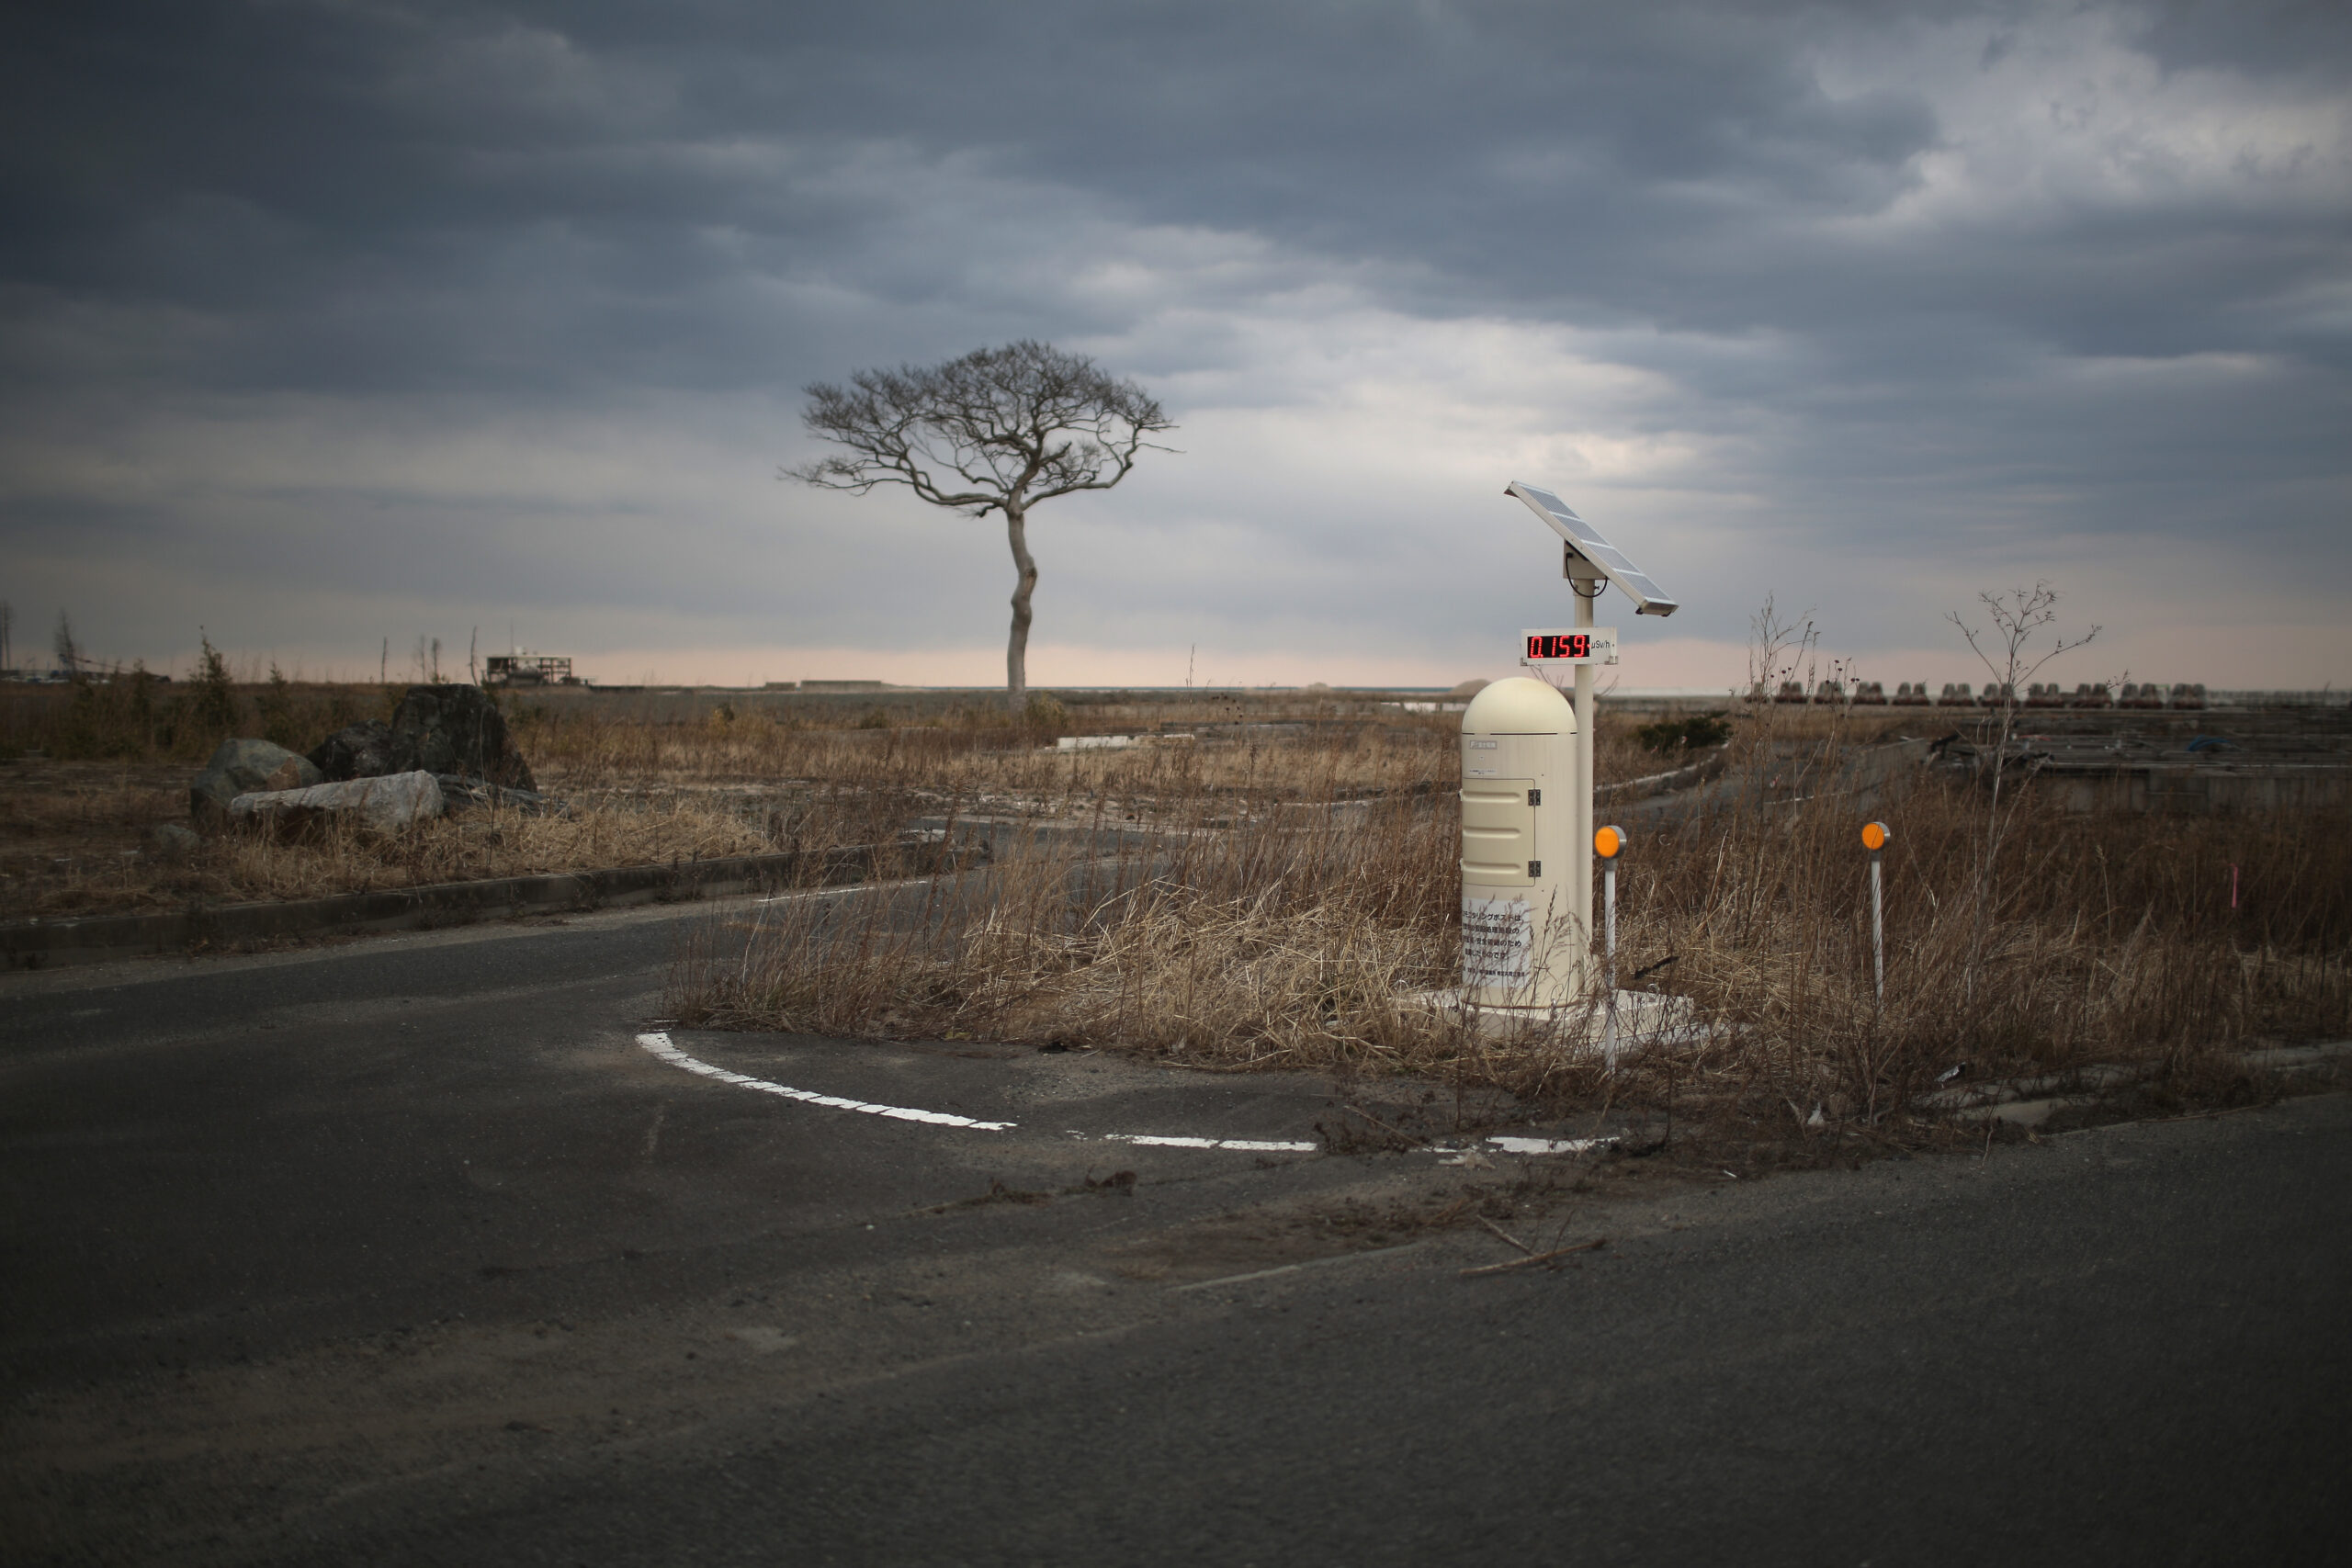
1016	647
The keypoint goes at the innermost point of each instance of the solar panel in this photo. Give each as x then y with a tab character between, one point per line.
1648	598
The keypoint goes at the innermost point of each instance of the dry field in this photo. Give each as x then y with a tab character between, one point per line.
1298	898
1301	883
84	771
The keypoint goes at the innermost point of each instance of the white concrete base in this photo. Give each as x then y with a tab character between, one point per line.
1643	1018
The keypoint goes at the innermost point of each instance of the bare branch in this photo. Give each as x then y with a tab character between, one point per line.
999	429
2006	651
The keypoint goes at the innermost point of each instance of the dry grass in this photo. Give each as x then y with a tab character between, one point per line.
1281	925
2105	939
74	845
86	770
70	835
1304	882
1286	938
136	718
972	755
72	841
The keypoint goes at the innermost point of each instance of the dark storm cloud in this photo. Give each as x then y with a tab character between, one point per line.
492	176
574	205
439	160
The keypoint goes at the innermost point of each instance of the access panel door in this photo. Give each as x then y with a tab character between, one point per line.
1499	832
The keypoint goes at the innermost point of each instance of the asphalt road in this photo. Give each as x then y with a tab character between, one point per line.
410	1252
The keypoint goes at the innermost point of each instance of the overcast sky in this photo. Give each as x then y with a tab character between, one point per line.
322	324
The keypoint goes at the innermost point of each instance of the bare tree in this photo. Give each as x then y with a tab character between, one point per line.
998	430
66	646
2009	652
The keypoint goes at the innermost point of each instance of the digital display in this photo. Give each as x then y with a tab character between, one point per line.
1568	645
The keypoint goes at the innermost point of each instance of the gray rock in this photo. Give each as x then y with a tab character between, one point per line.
242	767
456	729
362	750
169	841
295	772
385	805
452	730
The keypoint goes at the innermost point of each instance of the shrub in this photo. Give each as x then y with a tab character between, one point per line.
1694	733
278	723
213	711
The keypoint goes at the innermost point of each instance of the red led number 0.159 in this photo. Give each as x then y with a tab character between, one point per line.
1568	645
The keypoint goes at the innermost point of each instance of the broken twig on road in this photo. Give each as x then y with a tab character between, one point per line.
1504	1235
1532	1258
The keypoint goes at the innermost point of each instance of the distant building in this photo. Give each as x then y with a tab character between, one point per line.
528	669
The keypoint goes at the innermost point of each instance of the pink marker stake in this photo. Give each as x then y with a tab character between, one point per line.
2234	886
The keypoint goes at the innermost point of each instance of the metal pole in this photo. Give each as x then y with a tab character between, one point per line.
1874	838
1878	932
1581	833
1609	843
1608	917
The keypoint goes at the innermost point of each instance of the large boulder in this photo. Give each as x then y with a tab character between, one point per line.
242	767
362	750
453	730
385	805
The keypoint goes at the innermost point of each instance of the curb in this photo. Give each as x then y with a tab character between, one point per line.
2028	1103
51	944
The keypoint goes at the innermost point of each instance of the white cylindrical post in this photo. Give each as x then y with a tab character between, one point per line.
1874	837
1609	843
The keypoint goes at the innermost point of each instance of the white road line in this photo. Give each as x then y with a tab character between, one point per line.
1546	1145
1257	1144
660	1045
845	889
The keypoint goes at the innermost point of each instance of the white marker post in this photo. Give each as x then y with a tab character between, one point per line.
1609	843
1874	837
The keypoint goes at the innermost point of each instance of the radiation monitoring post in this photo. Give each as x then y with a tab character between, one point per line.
1527	828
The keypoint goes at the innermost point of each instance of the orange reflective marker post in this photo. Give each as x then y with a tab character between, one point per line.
1874	837
1609	843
